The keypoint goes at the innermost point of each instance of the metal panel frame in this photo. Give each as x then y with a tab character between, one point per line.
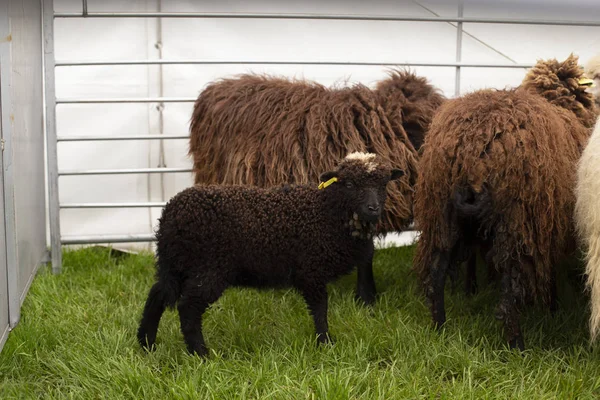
51	141
7	168
4	309
52	102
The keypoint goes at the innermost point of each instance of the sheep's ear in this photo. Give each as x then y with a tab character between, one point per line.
396	173
325	176
327	179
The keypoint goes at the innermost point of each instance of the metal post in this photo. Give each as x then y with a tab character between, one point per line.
84	9
459	36
50	97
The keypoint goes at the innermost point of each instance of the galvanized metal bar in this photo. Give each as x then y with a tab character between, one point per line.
144	237
339	17
51	142
459	37
84	8
124	171
71	63
113	205
131	137
128	100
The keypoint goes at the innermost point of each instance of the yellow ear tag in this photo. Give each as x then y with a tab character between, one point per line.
323	185
586	82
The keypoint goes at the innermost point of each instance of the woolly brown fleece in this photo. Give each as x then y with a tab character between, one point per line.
264	131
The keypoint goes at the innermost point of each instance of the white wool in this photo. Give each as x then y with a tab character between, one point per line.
366	158
592	71
587	218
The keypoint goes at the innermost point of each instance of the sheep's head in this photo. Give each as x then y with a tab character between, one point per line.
592	71
563	84
358	185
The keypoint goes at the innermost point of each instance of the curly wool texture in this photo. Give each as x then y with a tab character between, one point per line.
409	102
587	217
264	131
523	148
214	237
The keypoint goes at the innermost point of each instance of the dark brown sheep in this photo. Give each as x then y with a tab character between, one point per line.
498	172
265	131
214	237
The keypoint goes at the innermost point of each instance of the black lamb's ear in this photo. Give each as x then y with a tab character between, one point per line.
396	173
325	176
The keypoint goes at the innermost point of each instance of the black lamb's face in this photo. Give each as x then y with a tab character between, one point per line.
361	184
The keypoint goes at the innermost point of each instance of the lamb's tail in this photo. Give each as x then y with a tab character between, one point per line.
471	204
593	282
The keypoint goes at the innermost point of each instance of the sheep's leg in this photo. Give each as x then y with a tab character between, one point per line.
316	300
508	311
553	293
191	307
471	278
365	282
439	268
153	311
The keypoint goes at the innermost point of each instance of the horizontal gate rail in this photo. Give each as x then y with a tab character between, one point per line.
143	237
128	100
72	63
131	137
330	17
114	205
125	171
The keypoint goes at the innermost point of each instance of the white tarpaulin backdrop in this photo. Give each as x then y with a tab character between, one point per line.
253	40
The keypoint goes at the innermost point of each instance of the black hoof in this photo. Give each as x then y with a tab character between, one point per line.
439	319
200	351
517	343
366	299
324	338
146	343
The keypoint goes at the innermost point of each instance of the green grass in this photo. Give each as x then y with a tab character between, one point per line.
76	339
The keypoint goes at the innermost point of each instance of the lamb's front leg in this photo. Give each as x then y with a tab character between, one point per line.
316	299
365	282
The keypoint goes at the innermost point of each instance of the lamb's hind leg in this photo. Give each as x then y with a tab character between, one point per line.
153	311
196	297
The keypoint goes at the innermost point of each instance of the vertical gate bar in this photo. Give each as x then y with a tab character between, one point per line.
459	36
84	9
50	96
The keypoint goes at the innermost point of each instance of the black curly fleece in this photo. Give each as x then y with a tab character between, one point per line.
214	237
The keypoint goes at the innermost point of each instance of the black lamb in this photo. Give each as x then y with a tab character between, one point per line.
213	237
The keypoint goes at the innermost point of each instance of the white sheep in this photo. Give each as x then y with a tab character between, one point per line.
587	216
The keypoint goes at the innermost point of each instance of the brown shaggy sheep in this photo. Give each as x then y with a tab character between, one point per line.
498	172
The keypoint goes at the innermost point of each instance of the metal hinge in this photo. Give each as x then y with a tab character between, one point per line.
2	144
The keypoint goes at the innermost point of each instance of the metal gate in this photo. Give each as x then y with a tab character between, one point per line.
459	66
